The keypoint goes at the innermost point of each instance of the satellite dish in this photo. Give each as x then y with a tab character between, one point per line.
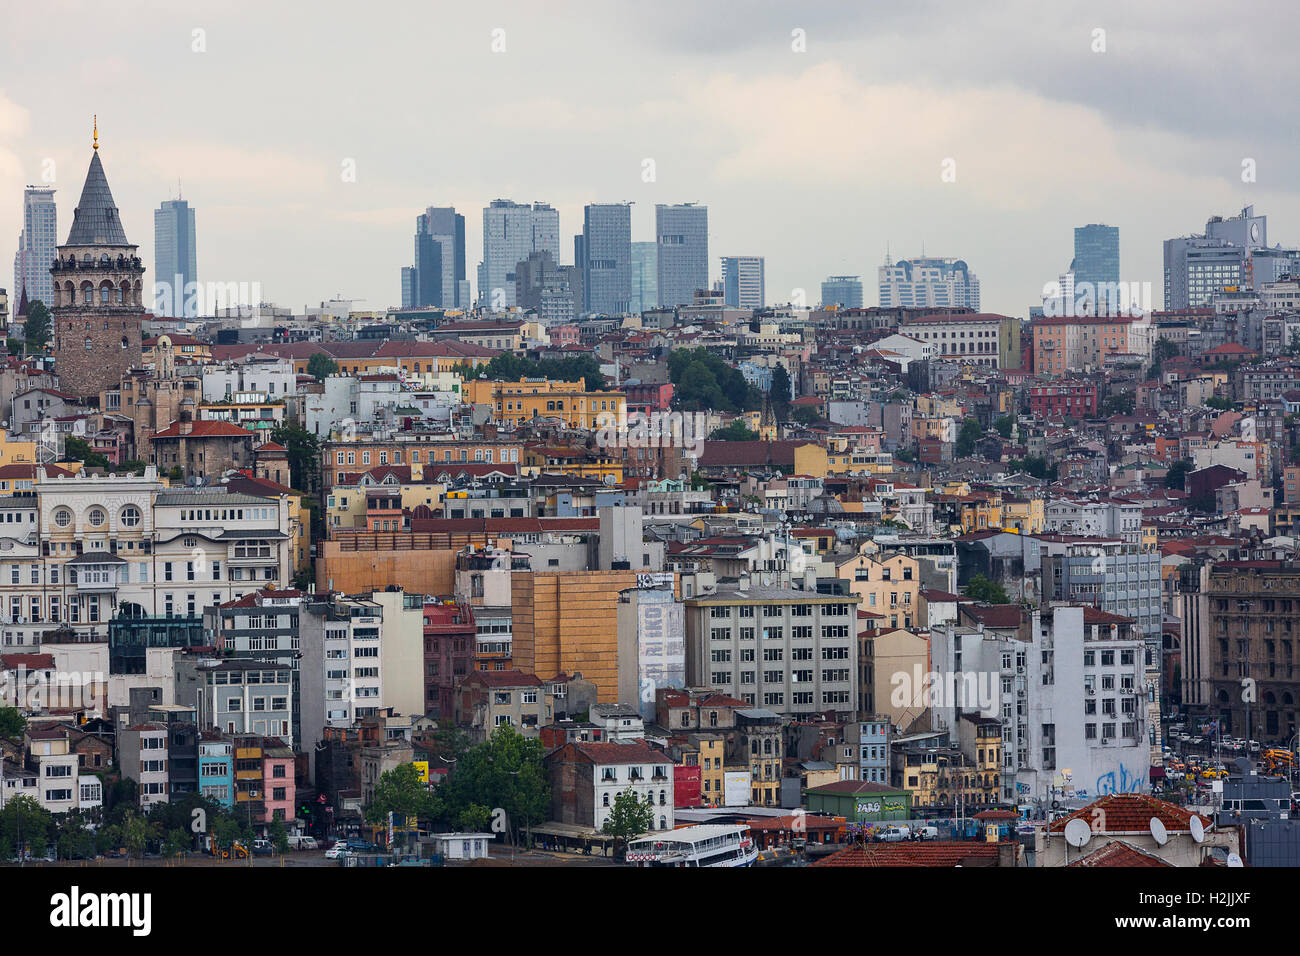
1198	829
1077	832
1234	860
1158	831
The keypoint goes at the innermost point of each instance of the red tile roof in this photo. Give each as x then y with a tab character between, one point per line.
204	429
1119	853
1130	813
917	854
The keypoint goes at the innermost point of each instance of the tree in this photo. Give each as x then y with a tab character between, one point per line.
1122	403
303	452
505	773
1034	465
74	840
12	723
36	330
279	836
400	791
704	381
137	833
78	449
806	415
320	366
175	843
1176	476
736	431
24	823
475	818
628	817
1004	425
966	438
1220	403
980	588
781	392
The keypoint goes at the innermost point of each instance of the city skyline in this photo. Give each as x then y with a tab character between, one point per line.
273	190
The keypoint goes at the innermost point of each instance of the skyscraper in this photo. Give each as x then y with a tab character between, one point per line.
742	282
1096	262
511	231
645	277
174	259
682	233
36	244
438	276
928	283
842	291
607	246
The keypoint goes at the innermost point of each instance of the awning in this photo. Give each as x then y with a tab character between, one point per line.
1157	773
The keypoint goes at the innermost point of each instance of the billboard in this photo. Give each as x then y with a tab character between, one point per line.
661	647
735	788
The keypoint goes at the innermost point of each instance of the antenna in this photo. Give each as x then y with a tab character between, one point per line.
1077	832
1158	831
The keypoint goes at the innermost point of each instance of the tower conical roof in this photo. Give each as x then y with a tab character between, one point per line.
95	221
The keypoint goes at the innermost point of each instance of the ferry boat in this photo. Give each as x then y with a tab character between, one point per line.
718	844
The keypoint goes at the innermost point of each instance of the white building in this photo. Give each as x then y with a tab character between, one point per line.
341	670
274	379
1070	696
928	282
974	338
83	550
1105	517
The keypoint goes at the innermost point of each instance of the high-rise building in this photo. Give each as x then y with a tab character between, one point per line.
928	283
682	234
36	245
438	276
98	308
511	232
607	245
742	282
844	292
645	277
553	292
1096	262
175	260
1197	268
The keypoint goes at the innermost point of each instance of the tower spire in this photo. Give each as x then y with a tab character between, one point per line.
95	143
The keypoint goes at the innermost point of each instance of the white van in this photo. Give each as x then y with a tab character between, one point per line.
299	842
895	834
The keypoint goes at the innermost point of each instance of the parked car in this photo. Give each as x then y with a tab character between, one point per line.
303	842
337	852
895	834
263	848
925	833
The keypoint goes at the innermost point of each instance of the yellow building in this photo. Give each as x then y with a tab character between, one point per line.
712	755
517	402
578	462
15	451
1025	515
941	776
345	505
889	585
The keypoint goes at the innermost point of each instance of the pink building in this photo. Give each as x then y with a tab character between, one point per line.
279	793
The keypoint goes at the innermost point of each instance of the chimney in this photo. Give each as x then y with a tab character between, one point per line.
743	583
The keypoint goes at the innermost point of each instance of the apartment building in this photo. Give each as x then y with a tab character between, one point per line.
790	652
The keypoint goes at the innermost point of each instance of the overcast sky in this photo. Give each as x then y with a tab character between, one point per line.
814	159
